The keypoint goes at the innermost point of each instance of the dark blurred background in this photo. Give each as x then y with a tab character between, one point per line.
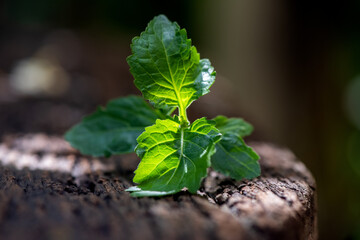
291	68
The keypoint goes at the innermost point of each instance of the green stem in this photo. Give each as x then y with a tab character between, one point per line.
171	111
184	122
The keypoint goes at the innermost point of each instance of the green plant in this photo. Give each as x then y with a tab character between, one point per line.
174	153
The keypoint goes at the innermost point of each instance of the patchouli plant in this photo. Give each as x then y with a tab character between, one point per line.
175	154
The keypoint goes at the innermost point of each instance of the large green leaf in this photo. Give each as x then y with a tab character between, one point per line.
173	158
166	68
114	129
233	157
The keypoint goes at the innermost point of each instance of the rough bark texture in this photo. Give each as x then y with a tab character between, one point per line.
84	198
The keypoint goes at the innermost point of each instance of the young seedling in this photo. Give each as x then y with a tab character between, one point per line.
175	154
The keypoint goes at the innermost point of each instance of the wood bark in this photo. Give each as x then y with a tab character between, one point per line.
50	191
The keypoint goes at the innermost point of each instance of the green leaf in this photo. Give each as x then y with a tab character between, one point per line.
233	157
164	109
236	126
166	68
173	157
114	129
138	192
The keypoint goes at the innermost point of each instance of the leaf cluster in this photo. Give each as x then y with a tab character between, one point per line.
175	154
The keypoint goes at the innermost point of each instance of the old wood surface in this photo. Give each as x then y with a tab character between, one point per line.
49	191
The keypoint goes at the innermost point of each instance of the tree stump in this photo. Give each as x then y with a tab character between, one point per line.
49	191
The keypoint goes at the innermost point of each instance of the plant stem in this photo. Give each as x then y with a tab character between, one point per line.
184	122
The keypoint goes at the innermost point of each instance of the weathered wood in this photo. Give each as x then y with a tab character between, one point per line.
64	203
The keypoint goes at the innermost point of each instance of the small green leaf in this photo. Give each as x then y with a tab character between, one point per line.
173	157
233	157
114	129
166	68
164	109
138	192
236	126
